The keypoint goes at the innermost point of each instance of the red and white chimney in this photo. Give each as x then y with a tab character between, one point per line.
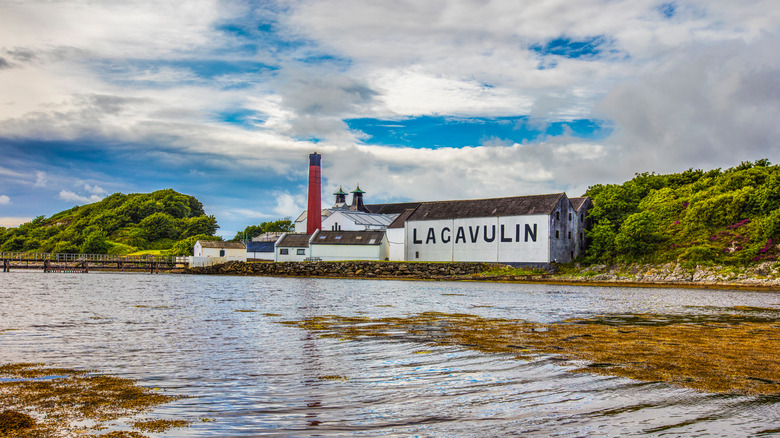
314	210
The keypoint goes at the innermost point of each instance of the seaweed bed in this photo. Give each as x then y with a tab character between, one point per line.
43	402
733	353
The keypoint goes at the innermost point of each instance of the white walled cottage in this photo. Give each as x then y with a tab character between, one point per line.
210	252
292	247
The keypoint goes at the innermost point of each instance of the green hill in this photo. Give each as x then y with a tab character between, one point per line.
724	217
119	224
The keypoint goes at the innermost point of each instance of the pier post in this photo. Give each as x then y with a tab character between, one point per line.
6	265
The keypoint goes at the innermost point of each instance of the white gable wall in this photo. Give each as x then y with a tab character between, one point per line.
395	244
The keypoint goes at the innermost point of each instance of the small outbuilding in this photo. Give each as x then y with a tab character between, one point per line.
349	245
211	252
259	250
292	247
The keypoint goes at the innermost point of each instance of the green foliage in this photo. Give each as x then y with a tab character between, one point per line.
730	216
119	224
638	236
198	225
95	243
159	226
185	247
278	226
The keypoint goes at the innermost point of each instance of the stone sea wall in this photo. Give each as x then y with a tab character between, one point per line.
762	276
360	269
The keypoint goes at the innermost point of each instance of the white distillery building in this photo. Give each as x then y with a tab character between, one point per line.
530	230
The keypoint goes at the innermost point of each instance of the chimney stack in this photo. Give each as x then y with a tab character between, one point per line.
314	210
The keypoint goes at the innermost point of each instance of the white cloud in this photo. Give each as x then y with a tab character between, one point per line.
696	89
95	190
13	221
4	200
288	205
714	105
40	179
67	195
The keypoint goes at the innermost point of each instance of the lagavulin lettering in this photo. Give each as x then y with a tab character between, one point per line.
488	234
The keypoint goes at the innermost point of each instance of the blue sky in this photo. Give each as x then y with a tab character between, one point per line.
434	100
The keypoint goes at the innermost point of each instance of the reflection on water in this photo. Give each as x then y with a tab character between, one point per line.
218	340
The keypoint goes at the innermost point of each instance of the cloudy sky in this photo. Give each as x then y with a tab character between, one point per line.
413	100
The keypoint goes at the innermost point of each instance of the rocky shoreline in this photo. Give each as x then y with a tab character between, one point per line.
764	276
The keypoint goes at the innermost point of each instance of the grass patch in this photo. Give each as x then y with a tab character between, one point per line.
156	252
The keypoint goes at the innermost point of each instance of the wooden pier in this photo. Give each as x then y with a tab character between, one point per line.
83	263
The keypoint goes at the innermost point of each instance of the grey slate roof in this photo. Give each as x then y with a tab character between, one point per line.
401	219
513	206
348	238
577	203
397	208
220	244
295	240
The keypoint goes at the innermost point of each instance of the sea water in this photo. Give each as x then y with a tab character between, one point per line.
219	341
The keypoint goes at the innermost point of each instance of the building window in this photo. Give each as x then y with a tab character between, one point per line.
581	217
301	251
572	255
569	235
222	253
569	216
580	236
284	251
556	234
557	215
